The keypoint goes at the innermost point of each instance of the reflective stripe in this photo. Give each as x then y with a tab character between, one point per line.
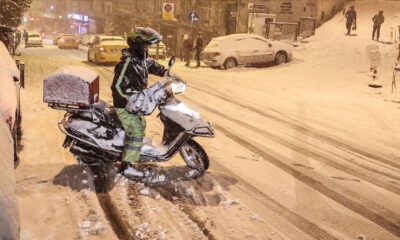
117	86
133	139
133	148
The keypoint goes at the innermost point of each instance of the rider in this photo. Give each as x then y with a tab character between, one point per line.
131	74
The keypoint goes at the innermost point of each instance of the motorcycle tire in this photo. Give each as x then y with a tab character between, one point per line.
195	156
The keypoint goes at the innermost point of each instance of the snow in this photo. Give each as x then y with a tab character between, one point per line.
72	85
8	92
182	108
9	217
324	88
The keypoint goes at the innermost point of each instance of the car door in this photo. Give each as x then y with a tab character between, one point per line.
263	50
244	51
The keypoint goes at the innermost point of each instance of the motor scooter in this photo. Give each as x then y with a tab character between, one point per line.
95	135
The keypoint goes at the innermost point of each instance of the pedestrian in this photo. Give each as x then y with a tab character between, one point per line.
351	19
378	19
199	48
182	52
17	38
187	49
26	37
131	74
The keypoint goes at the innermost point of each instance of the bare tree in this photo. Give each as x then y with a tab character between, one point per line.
11	11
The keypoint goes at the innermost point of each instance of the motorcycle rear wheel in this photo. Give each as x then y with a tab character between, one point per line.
195	156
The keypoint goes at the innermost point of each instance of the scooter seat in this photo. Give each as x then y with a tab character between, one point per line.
106	113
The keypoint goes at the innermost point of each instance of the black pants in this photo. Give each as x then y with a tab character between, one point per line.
197	57
348	26
377	30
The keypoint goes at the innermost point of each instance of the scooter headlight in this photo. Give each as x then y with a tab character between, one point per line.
178	87
207	131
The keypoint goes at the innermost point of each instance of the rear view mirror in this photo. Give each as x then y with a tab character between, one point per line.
171	62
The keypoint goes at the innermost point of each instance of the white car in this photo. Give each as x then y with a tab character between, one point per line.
162	51
34	39
245	49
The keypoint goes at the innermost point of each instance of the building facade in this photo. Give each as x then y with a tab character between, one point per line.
215	17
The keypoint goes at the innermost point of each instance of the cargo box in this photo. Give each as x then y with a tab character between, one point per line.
74	85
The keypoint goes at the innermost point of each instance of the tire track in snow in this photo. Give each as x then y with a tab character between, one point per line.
118	224
319	156
306	130
351	204
390	226
115	220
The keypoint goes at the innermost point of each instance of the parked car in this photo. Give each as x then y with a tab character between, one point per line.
87	39
34	40
56	36
68	41
106	49
245	49
9	95
162	51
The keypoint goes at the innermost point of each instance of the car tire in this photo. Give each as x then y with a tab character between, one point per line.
280	58
230	63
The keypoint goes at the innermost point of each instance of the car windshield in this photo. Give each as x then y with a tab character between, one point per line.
161	45
120	42
112	39
214	43
34	35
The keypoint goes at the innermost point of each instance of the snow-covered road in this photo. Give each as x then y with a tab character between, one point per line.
303	151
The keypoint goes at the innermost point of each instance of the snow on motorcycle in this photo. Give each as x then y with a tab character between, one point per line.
95	135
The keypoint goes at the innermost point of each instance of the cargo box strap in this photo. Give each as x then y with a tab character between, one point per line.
121	75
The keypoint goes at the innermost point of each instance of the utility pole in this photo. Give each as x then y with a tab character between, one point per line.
237	15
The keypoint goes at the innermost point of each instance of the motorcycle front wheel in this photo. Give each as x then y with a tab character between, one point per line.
195	156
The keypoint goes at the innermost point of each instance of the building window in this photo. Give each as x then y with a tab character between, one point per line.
108	7
286	7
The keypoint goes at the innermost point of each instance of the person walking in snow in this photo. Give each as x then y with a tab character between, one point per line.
351	19
378	19
187	49
199	48
26	37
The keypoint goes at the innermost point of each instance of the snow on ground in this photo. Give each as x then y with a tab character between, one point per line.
302	150
9	217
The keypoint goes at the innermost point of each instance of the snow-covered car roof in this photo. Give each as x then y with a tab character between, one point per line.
155	45
103	38
238	36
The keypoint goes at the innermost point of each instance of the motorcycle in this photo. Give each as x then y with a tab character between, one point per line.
95	135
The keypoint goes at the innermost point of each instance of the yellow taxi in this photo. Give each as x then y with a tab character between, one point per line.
106	49
68	41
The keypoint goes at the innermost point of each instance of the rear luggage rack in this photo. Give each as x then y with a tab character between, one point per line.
69	108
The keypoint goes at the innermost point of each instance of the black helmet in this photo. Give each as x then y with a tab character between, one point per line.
143	35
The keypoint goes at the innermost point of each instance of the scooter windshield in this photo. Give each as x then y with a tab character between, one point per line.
182	108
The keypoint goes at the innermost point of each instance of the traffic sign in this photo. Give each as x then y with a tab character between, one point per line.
193	17
168	11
